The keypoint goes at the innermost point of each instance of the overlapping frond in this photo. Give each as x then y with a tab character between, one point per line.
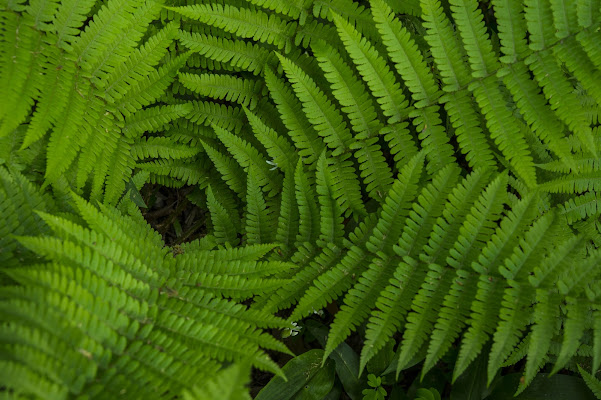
431	166
105	295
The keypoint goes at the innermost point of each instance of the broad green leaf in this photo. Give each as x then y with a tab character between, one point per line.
345	359
306	379
471	385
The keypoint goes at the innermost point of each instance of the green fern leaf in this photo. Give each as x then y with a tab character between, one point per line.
512	30
404	53
444	44
324	117
259	224
238	53
374	71
278	147
247	156
348	90
225	231
331	220
300	130
546	313
152	119
243	22
470	25
309	216
223	87
289	218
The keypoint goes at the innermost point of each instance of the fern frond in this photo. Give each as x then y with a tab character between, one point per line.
332	283
259	224
296	9
417	226
152	119
434	139
208	113
143	89
53	99
348	90
472	141
328	257
481	323
114	43
110	23
420	320
320	112
452	315
360	299
355	13
22	76
374	71
574	183
446	231
182	170
478	47
314	30
112	262
559	93
564	17
443	45
231	172
375	172
223	87
593	383
479	228
18	200
331	220
278	147
512	30
581	207
289	218
373	280
573	331
406	56
243	22
238	53
223	226
69	18
513	321
400	143
533	107
233	379
121	168
500	245
546	313
504	128
396	208
578	63
308	209
247	156
300	130
62	151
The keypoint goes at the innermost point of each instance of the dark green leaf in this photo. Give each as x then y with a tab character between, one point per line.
346	359
134	194
306	379
471	385
557	387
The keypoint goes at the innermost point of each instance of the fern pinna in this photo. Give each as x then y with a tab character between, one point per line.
430	166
